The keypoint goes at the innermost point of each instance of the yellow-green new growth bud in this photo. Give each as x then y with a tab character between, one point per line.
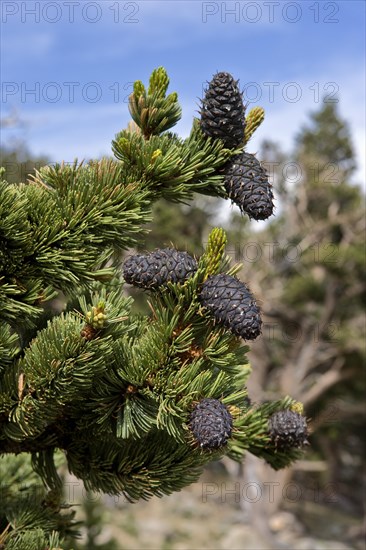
297	407
124	145
172	98
253	121
159	82
157	153
96	316
215	249
89	317
138	90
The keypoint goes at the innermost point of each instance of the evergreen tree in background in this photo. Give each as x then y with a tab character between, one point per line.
18	164
133	404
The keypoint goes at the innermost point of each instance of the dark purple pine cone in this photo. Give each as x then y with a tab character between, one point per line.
211	423
288	429
232	305
246	183
223	111
152	270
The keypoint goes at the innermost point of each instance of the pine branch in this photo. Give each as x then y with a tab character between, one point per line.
137	404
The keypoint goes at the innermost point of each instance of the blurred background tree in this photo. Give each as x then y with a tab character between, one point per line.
15	157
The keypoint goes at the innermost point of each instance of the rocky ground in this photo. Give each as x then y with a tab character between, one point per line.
192	520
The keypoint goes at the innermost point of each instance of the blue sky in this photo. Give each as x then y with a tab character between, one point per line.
80	59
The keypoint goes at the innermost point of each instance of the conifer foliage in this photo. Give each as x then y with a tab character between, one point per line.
132	404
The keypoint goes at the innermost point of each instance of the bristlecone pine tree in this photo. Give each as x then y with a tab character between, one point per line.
132	404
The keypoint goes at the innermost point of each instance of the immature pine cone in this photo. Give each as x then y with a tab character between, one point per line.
223	111
288	429
152	270
247	185
232	305
211	423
